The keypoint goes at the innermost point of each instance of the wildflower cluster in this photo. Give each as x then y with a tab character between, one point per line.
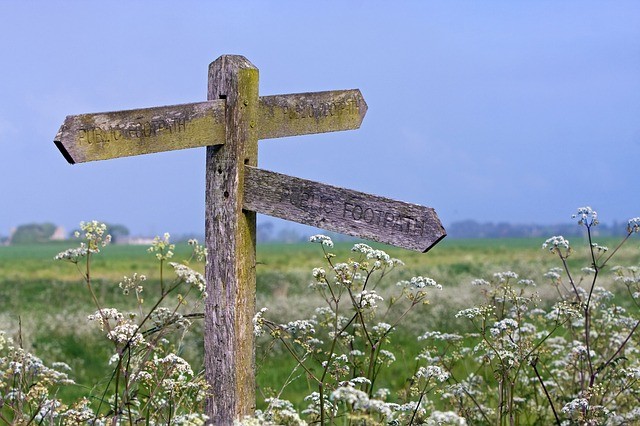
199	251
519	359
94	237
555	243
162	248
321	239
342	347
28	387
150	382
586	216
135	283
570	362
95	234
189	276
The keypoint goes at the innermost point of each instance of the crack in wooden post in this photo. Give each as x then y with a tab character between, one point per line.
230	235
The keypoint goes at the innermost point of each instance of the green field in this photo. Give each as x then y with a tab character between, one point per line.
44	303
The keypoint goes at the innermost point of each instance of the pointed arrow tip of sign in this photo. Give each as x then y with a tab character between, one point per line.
64	152
444	234
61	147
363	106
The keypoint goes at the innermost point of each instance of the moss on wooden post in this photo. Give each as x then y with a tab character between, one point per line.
230	239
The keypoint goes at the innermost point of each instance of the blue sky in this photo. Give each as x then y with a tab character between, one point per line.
493	111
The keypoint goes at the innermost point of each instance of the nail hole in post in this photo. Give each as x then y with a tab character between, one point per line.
223	96
226	194
246	161
219	170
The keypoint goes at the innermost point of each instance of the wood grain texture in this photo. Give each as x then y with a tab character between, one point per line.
342	210
230	240
101	136
307	113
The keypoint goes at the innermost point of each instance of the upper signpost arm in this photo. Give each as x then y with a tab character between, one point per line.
307	113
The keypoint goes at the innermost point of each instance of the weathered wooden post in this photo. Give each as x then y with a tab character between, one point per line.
229	124
231	241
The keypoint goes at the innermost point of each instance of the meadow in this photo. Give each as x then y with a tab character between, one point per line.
44	303
35	289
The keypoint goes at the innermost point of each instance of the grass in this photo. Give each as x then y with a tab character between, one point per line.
45	303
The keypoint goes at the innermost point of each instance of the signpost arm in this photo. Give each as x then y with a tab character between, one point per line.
230	240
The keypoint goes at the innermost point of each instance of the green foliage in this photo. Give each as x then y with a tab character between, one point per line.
33	233
117	231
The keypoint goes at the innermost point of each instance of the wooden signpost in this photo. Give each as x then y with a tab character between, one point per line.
229	124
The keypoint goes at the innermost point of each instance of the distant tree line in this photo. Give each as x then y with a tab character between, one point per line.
473	229
267	232
32	233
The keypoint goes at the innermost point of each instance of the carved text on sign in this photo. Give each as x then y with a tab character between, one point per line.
383	219
351	209
100	136
307	200
307	113
349	106
147	129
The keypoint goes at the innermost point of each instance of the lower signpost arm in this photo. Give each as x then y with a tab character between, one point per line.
343	210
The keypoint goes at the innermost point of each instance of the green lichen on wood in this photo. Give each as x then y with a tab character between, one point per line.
90	137
246	240
307	113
